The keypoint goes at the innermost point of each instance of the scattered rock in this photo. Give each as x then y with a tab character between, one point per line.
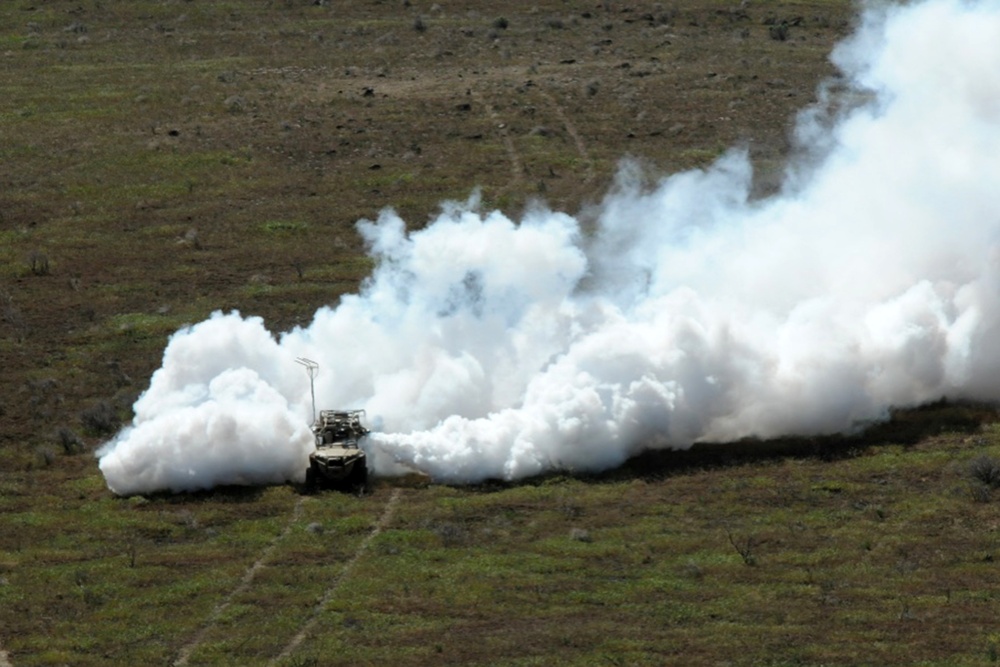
190	238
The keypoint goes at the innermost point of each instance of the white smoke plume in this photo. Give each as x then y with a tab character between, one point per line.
487	348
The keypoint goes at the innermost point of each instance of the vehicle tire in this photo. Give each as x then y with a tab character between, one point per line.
311	484
359	476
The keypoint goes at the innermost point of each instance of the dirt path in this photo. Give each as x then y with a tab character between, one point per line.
581	147
185	653
313	619
519	173
516	164
5	659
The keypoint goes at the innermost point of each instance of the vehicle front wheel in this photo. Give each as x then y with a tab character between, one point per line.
359	477
311	484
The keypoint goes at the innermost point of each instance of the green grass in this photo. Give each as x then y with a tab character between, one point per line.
501	567
286	227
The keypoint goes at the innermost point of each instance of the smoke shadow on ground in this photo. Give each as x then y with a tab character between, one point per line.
904	427
234	494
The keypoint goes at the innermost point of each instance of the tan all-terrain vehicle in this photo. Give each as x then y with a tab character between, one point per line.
339	460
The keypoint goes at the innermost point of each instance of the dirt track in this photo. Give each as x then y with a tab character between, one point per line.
185	653
313	619
268	553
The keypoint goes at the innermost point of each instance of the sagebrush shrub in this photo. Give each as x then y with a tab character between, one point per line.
985	469
100	418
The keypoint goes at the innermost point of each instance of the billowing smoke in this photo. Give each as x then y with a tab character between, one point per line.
483	347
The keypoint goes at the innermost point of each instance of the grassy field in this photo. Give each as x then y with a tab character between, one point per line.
164	159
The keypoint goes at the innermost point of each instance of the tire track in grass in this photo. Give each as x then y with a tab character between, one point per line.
516	164
185	653
328	595
571	130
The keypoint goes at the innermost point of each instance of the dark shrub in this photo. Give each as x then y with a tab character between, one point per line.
70	441
985	469
100	418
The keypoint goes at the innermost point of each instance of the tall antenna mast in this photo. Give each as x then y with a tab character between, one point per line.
313	369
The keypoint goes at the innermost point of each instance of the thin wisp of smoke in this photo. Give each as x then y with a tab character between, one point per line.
484	348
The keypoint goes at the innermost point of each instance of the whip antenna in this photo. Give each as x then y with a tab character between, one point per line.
313	369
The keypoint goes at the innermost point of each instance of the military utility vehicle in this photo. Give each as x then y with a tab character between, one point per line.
338	459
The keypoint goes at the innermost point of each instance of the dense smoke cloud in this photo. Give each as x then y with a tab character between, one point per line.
482	347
